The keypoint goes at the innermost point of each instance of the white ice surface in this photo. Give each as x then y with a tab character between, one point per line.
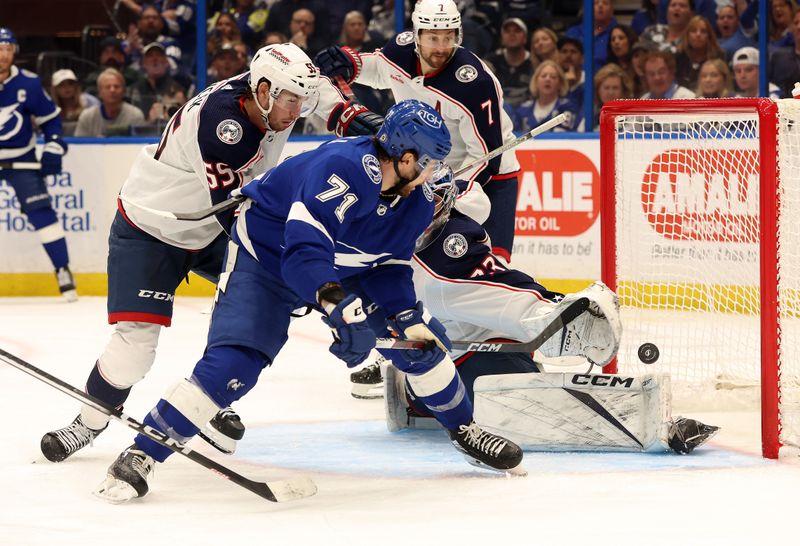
375	488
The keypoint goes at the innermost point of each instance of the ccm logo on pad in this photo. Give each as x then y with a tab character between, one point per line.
602	380
162	296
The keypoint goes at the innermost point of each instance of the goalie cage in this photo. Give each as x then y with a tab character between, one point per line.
700	238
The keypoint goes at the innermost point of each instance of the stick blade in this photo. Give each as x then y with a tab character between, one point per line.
292	489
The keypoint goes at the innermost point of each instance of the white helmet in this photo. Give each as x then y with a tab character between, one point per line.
436	15
286	68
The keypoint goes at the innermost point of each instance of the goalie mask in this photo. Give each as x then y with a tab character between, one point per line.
436	15
445	192
292	77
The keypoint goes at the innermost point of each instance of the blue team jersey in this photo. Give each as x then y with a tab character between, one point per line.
23	102
318	217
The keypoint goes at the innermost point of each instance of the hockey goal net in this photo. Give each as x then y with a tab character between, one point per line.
701	240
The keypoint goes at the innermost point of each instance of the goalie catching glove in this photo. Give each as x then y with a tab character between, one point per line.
353	339
418	324
353	119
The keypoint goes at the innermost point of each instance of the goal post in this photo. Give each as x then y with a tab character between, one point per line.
700	237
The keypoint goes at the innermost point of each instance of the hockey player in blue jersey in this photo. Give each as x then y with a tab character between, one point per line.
353	208
226	135
24	106
430	65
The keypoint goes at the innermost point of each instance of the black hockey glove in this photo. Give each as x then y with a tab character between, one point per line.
339	61
54	150
353	119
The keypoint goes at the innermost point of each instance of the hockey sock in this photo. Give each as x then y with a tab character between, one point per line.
51	234
98	387
450	405
170	421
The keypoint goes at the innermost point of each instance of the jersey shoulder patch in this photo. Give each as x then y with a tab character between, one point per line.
455	245
404	38
466	73
372	167
229	131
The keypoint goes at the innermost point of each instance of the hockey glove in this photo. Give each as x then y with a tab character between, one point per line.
54	149
353	338
353	119
339	61
418	324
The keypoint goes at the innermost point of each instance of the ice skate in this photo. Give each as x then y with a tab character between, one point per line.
224	430
127	477
367	383
687	434
486	450
60	444
66	284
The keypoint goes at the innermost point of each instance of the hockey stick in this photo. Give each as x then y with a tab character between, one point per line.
21	165
236	199
570	313
345	88
277	491
536	131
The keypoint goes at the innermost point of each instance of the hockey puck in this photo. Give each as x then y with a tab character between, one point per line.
648	353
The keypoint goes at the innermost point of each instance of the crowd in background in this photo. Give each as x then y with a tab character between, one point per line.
666	49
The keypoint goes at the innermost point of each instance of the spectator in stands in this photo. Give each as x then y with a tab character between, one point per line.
302	32
226	62
745	74
730	33
224	32
645	16
250	20
715	80
111	56
570	52
274	37
780	29
511	63
604	21
149	29
706	8
549	91
638	56
156	84
620	48
355	35
113	116
659	73
698	45
340	9
544	45
667	37
610	83
784	65
282	12
67	95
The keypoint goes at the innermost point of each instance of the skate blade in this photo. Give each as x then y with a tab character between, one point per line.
293	488
518	471
115	491
70	296
217	440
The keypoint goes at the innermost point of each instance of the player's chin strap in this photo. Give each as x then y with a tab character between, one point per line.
394	191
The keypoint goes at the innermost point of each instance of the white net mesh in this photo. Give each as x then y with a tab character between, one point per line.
687	241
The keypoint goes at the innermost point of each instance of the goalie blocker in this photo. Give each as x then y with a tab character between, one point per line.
568	412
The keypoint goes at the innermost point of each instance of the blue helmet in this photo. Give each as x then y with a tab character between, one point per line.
414	126
7	37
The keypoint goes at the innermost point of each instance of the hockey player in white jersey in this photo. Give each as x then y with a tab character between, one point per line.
429	64
351	209
24	107
224	136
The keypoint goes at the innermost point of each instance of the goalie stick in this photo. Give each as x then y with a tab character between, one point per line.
570	313
237	198
275	491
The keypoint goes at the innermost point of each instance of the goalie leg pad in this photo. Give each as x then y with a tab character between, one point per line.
576	412
595	334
